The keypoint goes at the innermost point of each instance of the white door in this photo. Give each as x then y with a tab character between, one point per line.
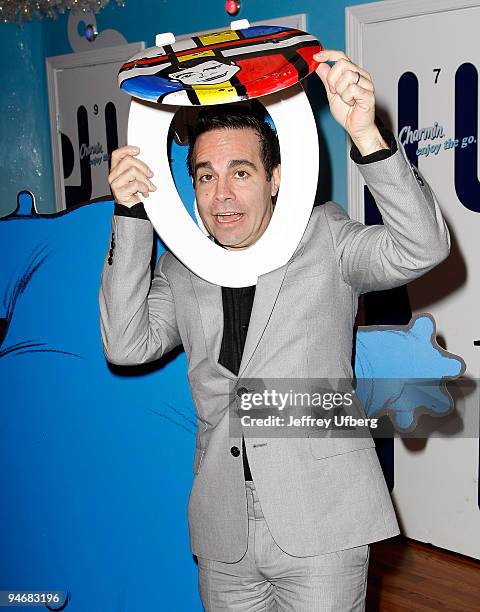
88	117
425	62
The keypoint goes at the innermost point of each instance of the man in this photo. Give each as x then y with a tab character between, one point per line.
275	523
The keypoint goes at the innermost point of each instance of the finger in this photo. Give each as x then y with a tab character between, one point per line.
130	174
127	184
124	192
338	69
130	162
122	152
124	196
354	94
322	70
330	55
352	78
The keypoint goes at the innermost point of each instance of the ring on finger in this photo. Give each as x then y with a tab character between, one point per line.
358	78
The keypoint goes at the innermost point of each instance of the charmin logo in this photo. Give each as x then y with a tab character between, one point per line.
409	135
88	151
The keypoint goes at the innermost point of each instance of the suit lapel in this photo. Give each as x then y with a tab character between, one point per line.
209	298
266	293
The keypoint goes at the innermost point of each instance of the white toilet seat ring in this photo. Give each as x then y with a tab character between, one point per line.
294	204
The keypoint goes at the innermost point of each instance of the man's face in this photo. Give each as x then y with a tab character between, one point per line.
233	194
207	73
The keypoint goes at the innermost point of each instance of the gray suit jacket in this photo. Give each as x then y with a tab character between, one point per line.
318	494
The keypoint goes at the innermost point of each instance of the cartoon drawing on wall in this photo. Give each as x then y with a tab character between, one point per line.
16	286
64	410
40	272
49	287
221	67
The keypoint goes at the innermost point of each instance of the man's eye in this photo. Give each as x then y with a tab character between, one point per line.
242	174
206	178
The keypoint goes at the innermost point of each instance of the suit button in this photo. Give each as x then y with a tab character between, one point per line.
112	244
241	391
110	252
419	180
110	261
235	451
417	176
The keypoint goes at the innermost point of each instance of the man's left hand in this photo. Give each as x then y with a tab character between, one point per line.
350	94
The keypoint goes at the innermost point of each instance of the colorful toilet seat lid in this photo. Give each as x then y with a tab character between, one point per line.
221	67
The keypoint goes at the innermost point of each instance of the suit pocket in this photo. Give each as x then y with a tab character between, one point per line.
322	447
198	459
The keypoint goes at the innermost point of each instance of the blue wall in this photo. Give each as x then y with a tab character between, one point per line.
24	124
25	128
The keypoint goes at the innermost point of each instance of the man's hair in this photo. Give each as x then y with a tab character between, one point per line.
227	116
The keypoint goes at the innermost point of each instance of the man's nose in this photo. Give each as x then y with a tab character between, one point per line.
224	190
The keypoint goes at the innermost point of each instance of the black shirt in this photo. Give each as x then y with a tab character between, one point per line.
237	307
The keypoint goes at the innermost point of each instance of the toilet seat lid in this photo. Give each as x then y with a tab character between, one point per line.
221	67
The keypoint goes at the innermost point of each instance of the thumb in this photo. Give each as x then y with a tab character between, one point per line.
322	70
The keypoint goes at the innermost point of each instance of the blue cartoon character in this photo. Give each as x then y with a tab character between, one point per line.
401	371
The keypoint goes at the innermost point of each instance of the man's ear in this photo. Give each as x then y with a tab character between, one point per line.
275	182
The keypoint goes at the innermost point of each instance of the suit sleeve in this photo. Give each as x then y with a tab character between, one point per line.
412	240
137	313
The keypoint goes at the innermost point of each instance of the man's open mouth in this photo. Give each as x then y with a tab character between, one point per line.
228	217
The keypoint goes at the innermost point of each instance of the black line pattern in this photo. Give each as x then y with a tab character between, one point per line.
12	292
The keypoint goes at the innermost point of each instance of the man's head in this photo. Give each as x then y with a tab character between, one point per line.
234	161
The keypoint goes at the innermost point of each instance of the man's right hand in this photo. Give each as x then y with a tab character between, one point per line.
129	176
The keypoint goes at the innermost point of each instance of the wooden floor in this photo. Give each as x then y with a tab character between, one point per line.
408	576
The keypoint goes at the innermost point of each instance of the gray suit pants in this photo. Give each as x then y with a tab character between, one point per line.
267	579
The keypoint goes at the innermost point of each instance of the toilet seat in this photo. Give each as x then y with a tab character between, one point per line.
148	127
